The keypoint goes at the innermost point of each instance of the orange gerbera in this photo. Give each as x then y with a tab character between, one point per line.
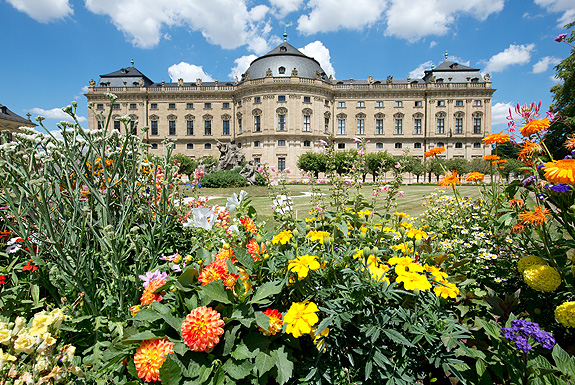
534	126
434	151
275	324
450	179
148	296
570	143
150	356
497	138
254	249
249	225
561	171
214	271
202	328
475	177
491	158
536	217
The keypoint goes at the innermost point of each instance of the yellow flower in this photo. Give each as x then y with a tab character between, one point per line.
319	338
40	323
400	261
446	290
302	265
561	171
364	213
25	343
404	248
399	214
475	177
412	281
283	237
542	278
416	234
317	235
436	272
564	314
300	318
378	272
5	334
5	358
532	260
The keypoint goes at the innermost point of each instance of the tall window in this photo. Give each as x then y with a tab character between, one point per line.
154	127
226	127
326	125
172	127
281	164
477	125
360	126
398	127
207	127
240	125
440	125
417	126
189	127
341	126
281	122
117	125
459	125
257	123
133	128
379	126
307	123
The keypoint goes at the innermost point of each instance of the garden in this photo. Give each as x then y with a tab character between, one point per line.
114	271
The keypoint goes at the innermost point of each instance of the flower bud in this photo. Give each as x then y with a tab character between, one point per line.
295	232
307	227
375	250
366	251
259	238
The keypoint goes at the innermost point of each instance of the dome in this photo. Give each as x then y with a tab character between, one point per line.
282	60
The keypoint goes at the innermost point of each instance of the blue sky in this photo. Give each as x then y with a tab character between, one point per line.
52	48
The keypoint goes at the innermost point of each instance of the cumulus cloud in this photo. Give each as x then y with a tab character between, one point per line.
514	54
419	71
227	23
543	64
432	44
566	7
188	72
55	113
332	15
283	7
241	65
81	94
320	53
43	11
499	114
414	19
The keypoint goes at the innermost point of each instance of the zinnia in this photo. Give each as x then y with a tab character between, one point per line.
302	265
475	177
542	278
300	318
535	126
202	328
148	296
565	314
150	356
561	171
497	138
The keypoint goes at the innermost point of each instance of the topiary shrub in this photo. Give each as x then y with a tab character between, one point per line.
224	178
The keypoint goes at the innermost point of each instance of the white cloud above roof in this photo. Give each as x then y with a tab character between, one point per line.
514	54
499	114
566	7
241	65
55	113
282	7
320	53
188	72
43	11
418	72
543	64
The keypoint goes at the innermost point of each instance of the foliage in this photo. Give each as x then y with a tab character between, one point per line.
187	164
461	165
312	162
224	178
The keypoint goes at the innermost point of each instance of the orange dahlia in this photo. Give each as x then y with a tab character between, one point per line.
249	225
434	151
561	171
450	179
226	254
230	281
202	328
214	271
497	138
253	248
148	296
534	126
150	356
475	177
491	158
275	324
536	217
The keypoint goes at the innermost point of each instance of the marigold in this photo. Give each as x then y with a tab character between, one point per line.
527	262
412	281
491	158
416	234
275	323
536	217
436	272
150	356
283	237
249	225
434	152
300	318
378	271
497	138
303	264
450	179
560	171
148	296
542	278
202	328
213	272
317	235
475	177
535	126
446	290
565	314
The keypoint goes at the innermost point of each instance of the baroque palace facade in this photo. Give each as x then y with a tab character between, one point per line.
285	103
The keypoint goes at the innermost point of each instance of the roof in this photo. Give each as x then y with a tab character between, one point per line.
130	75
451	66
454	73
6	114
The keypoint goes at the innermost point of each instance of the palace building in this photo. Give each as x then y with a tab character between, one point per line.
285	103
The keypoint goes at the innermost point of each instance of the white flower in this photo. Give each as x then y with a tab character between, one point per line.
234	201
203	217
282	204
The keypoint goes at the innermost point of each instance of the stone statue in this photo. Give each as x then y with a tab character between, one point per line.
487	77
294	72
250	172
141	82
180	82
269	73
389	79
92	83
198	82
230	156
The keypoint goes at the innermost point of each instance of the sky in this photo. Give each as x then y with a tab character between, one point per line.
50	49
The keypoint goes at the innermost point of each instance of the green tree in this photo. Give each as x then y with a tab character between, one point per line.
511	168
416	167
344	161
187	164
375	162
480	165
461	165
435	166
312	162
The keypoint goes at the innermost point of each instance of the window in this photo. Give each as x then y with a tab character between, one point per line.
281	122
257	160
154	106
440	144
134	128
239	144
459	103
257	99
306	99
399	104
282	70
172	127
281	164
208	146
379	104
306	143
281	143
477	145
133	106
172	106
341	146
256	143
417	145
441	103
398	127
326	125
326	103
189	127
477	125
360	126
361	104
239	103
440	125
100	125
240	125
459	125
190	106
379	146
379	126
117	125
477	102
154	127
307	123
207	106
226	127
190	146
458	145
341	126
341	104
257	123
398	145
418	103
281	98
154	146
226	105
99	106
208	127
116	106
417	126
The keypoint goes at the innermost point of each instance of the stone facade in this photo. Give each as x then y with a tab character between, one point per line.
11	122
282	113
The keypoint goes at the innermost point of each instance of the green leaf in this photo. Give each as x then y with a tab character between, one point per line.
147	315
238	370
263	321
242	352
264	363
283	365
147	335
396	336
266	290
170	372
204	372
164	312
188	276
216	291
244	258
491	329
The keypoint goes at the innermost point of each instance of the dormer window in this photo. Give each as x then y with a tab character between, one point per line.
440	80
282	70
283	49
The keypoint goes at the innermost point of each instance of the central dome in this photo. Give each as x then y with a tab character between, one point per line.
281	61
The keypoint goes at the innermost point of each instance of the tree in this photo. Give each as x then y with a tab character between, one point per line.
416	167
312	162
375	162
511	168
344	161
461	165
436	166
187	164
480	165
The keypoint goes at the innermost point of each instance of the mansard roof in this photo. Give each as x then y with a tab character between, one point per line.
6	114
130	75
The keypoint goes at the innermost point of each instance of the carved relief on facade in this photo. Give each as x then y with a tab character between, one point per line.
379	115
154	117
341	115
418	115
327	114
307	111
441	115
477	114
360	115
226	117
256	112
190	117
459	114
207	117
398	115
281	111
133	117
172	117
239	115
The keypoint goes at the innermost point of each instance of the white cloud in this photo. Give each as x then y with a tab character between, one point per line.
515	54
432	44
81	94
332	15
43	11
55	113
419	71
457	59
188	72
543	64
567	7
227	23
320	53
242	64
555	79
283	7
414	19
499	114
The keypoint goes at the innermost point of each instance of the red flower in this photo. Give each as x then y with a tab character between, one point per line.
30	266
4	234
2	280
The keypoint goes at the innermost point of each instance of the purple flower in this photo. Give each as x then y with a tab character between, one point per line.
527	181
568	156
540	166
541	196
560	38
522	332
151	276
560	188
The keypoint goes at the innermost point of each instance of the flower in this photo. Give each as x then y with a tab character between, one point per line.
536	217
542	278
560	38
235	200
5	358
302	265
148	296
434	151
317	235
275	323
300	318
283	237
565	314
413	280
450	179
249	225
150	356
516	203
202	328
535	126
497	138
214	271
2	280
30	266
527	262
521	332
446	290
254	248
475	177
560	171
570	143
416	234
204	217
25	343
528	150
4	234
151	276
491	158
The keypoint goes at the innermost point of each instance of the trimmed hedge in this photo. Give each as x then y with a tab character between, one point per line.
224	178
